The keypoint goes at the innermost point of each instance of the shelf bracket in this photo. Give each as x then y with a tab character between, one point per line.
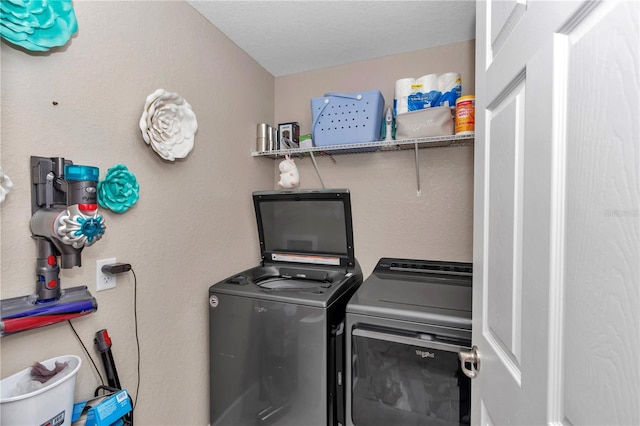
419	192
315	166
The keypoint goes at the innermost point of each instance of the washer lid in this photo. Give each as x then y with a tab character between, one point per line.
310	227
417	290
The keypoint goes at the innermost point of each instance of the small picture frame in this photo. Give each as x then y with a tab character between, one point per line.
289	135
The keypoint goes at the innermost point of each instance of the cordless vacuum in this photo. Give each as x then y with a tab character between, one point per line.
64	220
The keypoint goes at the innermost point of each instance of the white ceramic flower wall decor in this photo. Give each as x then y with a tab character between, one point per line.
168	125
5	185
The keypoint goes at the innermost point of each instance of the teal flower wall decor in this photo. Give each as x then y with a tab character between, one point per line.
118	191
37	24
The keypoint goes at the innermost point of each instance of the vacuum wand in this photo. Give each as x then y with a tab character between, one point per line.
102	342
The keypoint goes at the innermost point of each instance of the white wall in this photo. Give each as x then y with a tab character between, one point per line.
194	223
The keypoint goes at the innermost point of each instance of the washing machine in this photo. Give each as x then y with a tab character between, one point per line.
405	326
276	329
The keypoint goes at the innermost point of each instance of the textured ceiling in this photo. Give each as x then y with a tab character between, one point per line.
288	37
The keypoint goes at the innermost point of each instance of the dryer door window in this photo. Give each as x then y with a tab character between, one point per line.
400	379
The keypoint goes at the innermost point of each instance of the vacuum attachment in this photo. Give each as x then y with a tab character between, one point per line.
25	313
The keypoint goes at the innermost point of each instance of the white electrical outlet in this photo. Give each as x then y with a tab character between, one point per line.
104	281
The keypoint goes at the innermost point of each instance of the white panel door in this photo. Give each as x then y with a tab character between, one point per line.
557	213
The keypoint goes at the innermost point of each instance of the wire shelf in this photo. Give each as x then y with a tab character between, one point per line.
357	148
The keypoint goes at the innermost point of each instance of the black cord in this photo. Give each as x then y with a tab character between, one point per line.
86	351
135	317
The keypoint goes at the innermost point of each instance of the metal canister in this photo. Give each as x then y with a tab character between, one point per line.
273	144
263	137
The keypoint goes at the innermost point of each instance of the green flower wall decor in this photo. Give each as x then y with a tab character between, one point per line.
119	190
37	24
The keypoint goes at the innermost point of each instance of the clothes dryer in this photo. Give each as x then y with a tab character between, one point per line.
405	326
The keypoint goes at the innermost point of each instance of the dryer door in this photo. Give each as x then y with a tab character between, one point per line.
399	377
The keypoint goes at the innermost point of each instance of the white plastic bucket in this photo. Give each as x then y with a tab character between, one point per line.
51	404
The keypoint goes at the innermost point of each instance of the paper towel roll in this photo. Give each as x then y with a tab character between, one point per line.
428	91
450	86
403	90
429	82
425	93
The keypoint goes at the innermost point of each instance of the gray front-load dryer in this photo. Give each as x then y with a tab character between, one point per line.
276	355
404	329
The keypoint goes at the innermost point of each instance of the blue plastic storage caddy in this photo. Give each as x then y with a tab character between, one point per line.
347	118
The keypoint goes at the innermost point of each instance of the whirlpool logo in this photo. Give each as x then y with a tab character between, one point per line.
425	354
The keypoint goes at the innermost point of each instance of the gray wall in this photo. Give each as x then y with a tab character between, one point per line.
194	223
389	219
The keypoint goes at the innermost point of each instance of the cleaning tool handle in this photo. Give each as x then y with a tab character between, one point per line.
103	345
356	96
